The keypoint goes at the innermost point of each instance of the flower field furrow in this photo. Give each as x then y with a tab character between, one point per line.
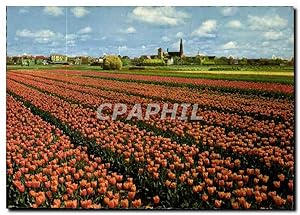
45	169
233	102
181	170
273	87
210	135
218	83
280	130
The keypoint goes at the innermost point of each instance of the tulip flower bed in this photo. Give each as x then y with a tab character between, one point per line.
94	97
221	85
277	155
161	164
263	129
45	170
229	86
252	105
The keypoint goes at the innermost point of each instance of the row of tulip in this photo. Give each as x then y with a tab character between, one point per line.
170	163
239	85
266	148
45	169
280	130
248	105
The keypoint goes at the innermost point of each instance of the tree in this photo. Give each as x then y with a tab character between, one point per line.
85	60
137	61
112	62
291	61
126	60
9	61
231	60
222	61
243	61
153	62
178	61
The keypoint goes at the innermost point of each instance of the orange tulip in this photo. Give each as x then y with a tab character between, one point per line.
71	204
112	181
190	181
56	203
102	190
124	203
290	198
40	198
246	205
204	197
258	199
106	200
235	205
278	200
291	185
137	203
131	195
156	200
281	177
112	203
218	203
276	184
211	190
86	203
173	185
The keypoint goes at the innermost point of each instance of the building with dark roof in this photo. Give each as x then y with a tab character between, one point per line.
168	54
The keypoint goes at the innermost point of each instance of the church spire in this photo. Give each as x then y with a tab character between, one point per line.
181	48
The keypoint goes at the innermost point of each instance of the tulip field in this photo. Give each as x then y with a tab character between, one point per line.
239	155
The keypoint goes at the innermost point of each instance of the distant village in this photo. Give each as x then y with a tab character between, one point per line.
162	58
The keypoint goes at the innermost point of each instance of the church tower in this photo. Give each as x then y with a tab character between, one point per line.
181	48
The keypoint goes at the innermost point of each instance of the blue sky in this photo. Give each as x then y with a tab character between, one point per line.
251	32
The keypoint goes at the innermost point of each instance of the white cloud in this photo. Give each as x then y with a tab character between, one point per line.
84	37
70	39
129	30
24	33
23	11
53	44
41	36
79	11
234	24
159	15
71	43
123	47
206	29
291	39
143	47
229	11
273	35
85	30
71	36
230	45
165	39
54	11
263	22
180	35
265	43
42	40
99	38
120	39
